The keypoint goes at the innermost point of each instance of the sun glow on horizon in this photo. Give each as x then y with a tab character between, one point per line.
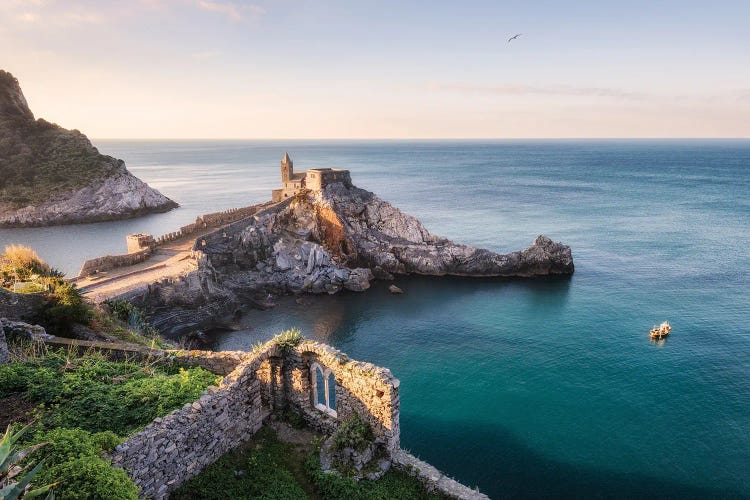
177	69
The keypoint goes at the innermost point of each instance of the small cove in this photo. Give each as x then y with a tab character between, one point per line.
523	387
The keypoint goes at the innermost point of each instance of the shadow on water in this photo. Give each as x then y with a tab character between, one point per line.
520	472
337	319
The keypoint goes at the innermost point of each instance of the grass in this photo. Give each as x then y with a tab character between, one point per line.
262	468
63	306
268	468
84	405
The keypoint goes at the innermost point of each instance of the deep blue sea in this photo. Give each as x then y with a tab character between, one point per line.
522	387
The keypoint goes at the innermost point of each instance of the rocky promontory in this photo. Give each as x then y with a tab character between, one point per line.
50	175
337	238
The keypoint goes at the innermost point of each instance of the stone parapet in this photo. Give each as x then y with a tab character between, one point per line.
433	479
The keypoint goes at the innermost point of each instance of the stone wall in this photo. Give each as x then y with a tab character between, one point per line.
362	388
272	379
4	355
433	479
172	449
17	306
107	262
141	246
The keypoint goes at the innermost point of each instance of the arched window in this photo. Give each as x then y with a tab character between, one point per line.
323	389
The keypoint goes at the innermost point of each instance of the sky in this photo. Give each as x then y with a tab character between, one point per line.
356	69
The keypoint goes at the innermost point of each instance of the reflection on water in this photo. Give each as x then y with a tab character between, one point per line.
337	318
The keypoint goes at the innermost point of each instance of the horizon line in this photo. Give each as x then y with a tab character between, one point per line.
664	138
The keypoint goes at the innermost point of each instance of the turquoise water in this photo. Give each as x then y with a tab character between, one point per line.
524	387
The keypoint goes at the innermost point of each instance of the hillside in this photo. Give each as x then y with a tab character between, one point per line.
50	175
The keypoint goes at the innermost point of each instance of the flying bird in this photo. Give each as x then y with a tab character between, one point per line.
514	37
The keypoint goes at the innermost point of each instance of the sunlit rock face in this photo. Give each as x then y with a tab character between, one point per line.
377	235
50	175
338	238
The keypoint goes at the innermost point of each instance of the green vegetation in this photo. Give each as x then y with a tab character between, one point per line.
268	468
286	340
62	305
124	321
15	476
41	159
354	433
260	469
87	405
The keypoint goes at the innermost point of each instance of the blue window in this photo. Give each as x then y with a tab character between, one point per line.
323	389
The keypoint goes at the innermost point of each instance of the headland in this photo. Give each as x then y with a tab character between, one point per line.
52	176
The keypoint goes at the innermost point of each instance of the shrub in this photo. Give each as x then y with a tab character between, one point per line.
64	445
14	478
354	433
91	477
63	307
14	377
288	339
135	318
24	261
63	304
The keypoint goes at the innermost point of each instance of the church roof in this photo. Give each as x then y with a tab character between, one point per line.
286	158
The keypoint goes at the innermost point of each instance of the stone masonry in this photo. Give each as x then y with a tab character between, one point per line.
314	179
272	379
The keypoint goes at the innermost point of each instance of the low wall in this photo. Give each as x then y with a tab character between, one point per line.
101	264
210	220
433	479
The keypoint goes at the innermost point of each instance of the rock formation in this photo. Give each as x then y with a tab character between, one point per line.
50	175
339	238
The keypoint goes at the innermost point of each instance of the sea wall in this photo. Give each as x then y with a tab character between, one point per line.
137	255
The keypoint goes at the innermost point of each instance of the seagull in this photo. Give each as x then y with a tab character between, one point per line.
514	37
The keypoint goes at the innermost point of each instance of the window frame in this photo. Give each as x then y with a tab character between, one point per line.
326	373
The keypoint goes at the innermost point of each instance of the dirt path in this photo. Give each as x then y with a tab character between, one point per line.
171	259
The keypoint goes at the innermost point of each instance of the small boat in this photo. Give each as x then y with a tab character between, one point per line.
661	331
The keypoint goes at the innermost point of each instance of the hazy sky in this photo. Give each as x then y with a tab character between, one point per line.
377	69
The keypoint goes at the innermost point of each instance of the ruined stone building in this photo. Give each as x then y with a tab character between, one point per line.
314	179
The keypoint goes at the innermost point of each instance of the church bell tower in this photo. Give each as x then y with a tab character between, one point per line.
287	168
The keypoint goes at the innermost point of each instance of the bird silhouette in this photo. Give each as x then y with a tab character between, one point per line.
514	37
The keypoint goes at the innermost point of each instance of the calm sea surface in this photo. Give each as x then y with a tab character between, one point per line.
522	387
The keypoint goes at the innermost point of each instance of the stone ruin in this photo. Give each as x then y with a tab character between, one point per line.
311	380
314	381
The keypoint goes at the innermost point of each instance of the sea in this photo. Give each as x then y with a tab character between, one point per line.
521	387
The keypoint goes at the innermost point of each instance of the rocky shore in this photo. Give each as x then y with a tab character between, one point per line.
50	175
338	238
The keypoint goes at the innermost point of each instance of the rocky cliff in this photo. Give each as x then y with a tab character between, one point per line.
50	175
340	238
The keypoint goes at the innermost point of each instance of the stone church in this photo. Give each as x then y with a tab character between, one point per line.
314	179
